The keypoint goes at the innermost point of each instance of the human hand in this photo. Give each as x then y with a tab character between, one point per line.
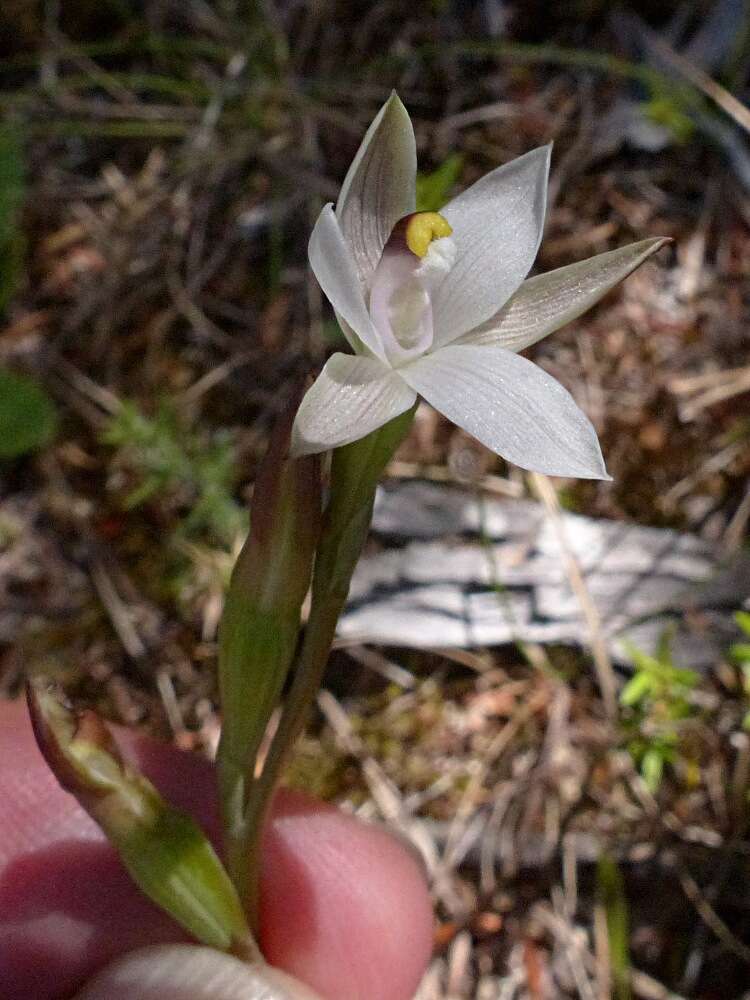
343	906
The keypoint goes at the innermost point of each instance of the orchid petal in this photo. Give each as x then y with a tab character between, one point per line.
546	302
334	268
497	227
379	188
351	397
511	406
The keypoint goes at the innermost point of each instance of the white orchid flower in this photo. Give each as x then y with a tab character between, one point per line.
436	305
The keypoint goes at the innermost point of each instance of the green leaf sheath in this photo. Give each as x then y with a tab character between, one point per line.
259	631
164	850
355	472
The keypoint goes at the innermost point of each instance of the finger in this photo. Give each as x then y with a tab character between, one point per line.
343	906
188	972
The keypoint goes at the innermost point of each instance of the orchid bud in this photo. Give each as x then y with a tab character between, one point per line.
164	850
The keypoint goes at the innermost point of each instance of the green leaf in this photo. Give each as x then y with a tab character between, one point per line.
652	768
11	198
28	419
743	620
164	850
682	677
433	188
636	689
641	661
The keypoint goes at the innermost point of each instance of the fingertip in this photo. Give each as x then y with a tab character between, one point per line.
344	905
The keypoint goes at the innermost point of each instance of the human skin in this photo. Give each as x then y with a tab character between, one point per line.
344	906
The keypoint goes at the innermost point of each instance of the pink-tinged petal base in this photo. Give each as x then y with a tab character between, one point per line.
400	305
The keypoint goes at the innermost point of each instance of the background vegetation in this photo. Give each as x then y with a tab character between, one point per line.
161	164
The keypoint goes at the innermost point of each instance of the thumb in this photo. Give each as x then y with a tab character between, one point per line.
189	972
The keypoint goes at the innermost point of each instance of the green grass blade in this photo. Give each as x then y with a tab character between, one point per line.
611	893
11	198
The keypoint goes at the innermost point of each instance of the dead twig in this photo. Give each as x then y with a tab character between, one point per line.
698	77
707	913
602	662
118	611
708	389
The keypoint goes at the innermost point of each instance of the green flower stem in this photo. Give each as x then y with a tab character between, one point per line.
355	471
